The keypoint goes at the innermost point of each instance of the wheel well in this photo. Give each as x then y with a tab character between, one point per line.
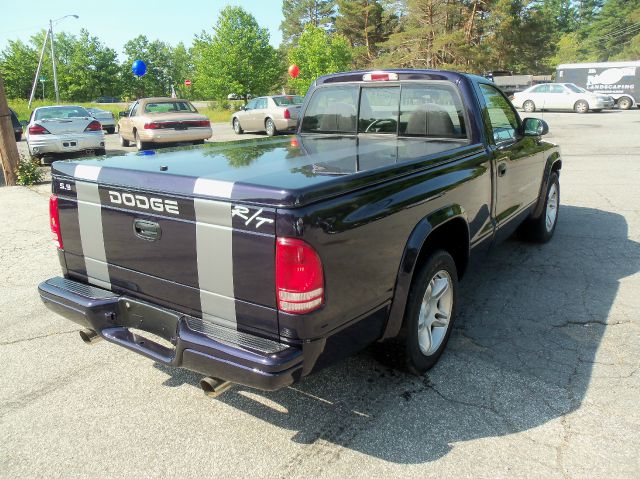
555	168
267	118
453	237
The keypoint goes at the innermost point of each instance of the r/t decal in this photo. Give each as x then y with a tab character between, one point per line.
244	213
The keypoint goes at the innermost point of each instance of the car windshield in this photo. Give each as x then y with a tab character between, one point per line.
574	88
170	107
288	100
61	112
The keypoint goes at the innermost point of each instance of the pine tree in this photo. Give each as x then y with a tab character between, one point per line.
298	13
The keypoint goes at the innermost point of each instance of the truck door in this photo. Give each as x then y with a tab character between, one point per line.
518	163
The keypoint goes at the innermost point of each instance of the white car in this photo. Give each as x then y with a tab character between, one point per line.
63	129
106	119
560	96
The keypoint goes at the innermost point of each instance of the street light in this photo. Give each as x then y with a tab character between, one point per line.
48	35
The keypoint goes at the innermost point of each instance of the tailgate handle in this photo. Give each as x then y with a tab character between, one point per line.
147	230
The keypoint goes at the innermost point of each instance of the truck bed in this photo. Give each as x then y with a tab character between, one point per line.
286	171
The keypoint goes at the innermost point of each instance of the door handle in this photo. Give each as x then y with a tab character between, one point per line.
147	230
502	169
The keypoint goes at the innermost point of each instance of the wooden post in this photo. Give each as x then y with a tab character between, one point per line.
8	148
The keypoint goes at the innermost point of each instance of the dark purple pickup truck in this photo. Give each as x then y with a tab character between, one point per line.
258	262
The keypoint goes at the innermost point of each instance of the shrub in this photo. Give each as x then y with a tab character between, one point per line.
28	172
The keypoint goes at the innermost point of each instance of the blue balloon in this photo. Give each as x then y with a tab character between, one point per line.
139	68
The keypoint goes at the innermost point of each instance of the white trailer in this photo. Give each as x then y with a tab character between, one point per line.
621	80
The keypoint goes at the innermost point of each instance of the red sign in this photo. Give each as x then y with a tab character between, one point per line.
187	83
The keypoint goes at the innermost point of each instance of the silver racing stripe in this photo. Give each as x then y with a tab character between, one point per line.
214	249
90	220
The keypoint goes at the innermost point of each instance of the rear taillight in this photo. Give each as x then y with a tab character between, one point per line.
299	277
152	126
199	123
287	114
38	130
94	126
54	221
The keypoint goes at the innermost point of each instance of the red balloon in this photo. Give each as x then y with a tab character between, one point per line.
294	71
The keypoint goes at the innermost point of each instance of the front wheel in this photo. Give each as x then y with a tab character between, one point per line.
624	103
581	106
529	106
236	127
541	229
430	312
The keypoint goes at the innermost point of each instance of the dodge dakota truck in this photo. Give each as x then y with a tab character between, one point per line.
260	261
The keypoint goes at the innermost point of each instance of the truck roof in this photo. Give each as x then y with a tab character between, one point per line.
403	74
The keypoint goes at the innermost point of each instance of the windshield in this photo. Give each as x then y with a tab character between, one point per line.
288	100
61	112
170	106
574	88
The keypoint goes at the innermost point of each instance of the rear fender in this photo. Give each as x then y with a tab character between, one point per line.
409	262
553	163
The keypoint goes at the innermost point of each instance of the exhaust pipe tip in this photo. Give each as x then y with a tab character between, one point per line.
89	336
213	387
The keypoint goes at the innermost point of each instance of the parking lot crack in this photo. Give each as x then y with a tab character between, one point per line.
34	338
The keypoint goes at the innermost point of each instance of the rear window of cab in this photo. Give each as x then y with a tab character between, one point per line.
170	107
430	109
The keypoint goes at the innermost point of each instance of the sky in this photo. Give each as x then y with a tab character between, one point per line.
117	21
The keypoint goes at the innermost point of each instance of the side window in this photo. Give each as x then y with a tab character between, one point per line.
262	103
251	105
134	110
332	110
541	89
556	89
379	110
431	110
502	116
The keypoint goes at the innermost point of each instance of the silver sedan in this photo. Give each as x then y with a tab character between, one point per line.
268	113
106	118
63	129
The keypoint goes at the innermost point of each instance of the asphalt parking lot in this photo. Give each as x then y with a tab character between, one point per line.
540	378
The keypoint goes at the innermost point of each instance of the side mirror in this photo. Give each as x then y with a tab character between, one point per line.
122	114
243	108
24	123
534	127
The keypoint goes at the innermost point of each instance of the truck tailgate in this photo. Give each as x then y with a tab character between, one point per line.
195	254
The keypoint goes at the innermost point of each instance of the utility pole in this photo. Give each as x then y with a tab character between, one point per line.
8	148
35	80
53	60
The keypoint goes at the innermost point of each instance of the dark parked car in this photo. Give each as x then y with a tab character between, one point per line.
260	262
107	99
17	126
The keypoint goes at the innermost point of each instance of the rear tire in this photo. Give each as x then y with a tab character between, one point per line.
236	127
140	145
581	106
123	142
198	142
430	313
624	103
529	106
540	230
270	127
111	130
18	137
100	152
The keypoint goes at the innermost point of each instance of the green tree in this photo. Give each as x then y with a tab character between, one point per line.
299	13
18	62
157	81
237	58
615	27
365	26
181	69
318	53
